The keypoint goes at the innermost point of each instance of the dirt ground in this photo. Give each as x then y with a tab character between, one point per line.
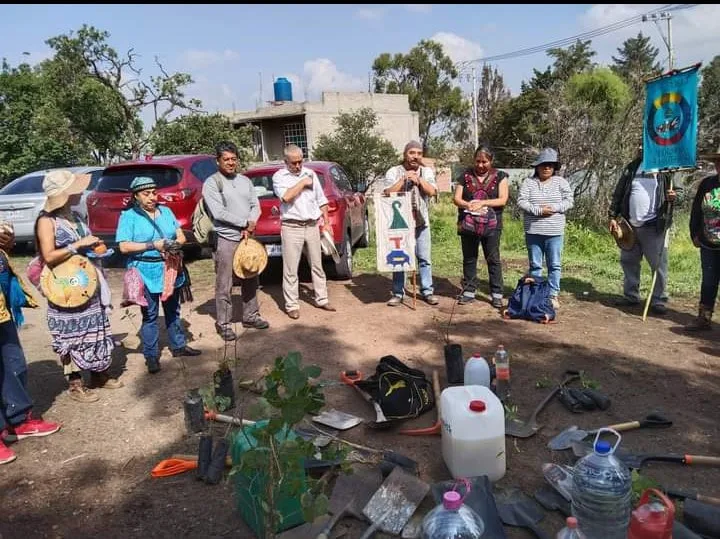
93	479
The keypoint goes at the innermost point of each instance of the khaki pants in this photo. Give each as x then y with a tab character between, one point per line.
298	236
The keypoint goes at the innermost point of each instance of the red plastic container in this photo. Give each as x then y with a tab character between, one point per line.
652	519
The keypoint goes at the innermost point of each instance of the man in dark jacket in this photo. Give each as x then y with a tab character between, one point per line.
644	200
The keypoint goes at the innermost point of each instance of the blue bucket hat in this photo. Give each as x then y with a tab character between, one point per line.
141	183
547	155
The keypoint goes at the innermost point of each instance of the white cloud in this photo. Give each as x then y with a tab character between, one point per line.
370	14
458	48
322	74
198	59
418	8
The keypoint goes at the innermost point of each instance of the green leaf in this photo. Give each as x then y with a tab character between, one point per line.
313	371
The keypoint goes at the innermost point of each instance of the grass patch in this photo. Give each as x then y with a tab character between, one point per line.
591	259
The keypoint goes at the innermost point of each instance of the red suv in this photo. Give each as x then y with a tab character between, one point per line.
347	210
179	180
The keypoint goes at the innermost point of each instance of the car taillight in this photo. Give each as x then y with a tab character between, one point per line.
182	194
333	206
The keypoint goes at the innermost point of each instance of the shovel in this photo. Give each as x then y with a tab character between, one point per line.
394	502
381	422
520	429
565	439
517	509
552	500
337	419
636	461
702	518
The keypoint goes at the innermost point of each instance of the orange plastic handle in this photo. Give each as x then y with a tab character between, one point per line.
168	467
349	378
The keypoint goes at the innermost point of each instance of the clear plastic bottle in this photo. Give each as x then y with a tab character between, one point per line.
452	519
502	373
477	371
571	530
602	492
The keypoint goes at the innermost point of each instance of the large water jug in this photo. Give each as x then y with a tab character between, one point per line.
602	492
477	371
473	432
452	519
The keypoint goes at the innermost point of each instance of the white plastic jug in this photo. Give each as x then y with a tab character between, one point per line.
473	432
477	371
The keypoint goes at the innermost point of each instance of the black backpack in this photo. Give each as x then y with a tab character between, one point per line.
401	392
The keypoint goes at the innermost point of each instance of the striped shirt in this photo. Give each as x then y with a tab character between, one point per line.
534	194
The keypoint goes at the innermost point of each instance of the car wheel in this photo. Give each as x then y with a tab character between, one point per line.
364	240
344	268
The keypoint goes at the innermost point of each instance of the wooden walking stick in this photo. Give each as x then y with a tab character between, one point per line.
664	247
414	281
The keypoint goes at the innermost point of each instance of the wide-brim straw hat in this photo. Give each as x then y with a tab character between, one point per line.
59	185
71	283
712	156
624	234
250	259
327	244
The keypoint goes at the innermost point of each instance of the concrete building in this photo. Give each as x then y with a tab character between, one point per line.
302	123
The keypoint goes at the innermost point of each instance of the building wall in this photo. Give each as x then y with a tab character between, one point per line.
396	121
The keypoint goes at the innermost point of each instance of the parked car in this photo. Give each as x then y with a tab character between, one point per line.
347	210
22	199
179	179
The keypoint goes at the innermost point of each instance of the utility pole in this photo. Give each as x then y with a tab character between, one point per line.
474	109
664	16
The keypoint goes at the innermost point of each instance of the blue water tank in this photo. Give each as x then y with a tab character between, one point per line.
283	89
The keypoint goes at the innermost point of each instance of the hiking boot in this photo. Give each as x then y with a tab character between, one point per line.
703	322
658	309
258	323
394	301
226	333
33	427
431	299
78	392
186	351
103	380
6	454
497	303
153	365
466	299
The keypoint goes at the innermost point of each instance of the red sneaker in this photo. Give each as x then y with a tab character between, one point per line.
34	427
6	454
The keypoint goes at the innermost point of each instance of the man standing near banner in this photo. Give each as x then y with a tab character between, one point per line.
419	182
645	201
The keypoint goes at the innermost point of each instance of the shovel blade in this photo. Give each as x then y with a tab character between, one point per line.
518	429
565	439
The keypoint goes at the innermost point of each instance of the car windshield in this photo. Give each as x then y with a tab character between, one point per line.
24	186
263	184
119	180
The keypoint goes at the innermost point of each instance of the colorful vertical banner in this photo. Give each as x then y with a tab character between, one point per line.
395	232
670	123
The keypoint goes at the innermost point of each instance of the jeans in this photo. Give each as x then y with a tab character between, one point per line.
650	243
491	249
550	248
149	330
15	402
422	252
710	264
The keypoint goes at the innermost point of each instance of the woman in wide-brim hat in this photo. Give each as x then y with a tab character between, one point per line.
545	197
151	237
80	336
705	234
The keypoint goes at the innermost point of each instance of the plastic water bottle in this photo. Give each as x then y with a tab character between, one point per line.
477	371
602	492
452	519
502	373
571	530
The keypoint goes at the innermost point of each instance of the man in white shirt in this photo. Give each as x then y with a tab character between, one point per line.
302	203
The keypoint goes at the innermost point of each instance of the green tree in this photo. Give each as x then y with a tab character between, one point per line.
491	95
636	61
34	133
86	67
199	133
356	145
709	106
427	75
574	59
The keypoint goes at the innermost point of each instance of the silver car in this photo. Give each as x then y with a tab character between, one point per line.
22	199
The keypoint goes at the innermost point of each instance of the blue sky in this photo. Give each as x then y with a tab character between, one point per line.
226	47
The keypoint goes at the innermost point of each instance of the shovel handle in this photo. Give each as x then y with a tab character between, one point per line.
653	421
621	427
702	459
435	429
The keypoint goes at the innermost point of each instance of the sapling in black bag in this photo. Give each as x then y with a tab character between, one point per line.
402	392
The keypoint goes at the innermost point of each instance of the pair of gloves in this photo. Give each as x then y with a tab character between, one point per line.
578	400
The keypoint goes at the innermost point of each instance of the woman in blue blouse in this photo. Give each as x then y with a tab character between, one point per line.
145	232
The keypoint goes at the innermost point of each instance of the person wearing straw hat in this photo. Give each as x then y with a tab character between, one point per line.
302	203
545	198
16	405
148	233
644	201
80	336
705	234
234	207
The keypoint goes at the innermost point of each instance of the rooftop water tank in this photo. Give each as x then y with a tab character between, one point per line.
283	89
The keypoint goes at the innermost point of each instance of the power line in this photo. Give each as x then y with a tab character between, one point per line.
572	39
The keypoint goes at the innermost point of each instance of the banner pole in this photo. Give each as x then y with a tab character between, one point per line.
414	279
665	247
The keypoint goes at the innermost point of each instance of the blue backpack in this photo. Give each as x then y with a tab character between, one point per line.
531	300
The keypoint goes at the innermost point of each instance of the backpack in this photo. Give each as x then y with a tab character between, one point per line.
473	224
402	392
202	223
531	300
